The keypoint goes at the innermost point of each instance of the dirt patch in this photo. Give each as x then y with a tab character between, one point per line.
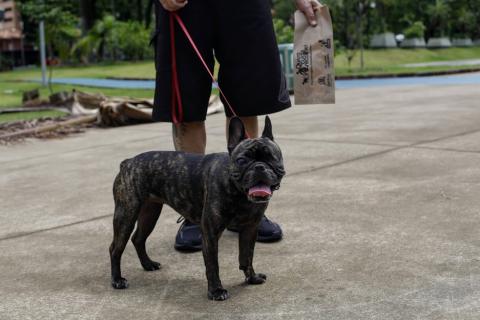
16	126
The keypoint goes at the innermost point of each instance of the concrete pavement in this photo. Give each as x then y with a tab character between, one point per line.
380	210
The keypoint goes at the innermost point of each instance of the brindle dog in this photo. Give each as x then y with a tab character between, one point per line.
215	191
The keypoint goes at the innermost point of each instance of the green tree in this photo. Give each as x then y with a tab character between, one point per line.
60	24
465	21
87	14
284	9
55	13
100	41
134	40
439	18
474	8
110	38
283	31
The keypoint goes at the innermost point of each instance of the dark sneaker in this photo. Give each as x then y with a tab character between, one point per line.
268	231
189	237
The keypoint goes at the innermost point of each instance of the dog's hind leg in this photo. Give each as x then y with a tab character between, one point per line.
147	219
126	213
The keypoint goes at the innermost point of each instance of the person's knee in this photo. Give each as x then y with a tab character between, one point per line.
251	125
249	120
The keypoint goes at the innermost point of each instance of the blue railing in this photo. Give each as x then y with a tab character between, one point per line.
286	56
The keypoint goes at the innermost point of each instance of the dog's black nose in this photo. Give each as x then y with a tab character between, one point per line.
260	167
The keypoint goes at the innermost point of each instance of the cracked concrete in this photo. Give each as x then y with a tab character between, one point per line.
380	211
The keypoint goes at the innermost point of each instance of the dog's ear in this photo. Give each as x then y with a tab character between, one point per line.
267	131
236	133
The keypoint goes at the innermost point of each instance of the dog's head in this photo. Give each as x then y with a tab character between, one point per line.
257	164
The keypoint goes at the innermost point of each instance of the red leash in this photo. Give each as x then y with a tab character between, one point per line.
177	118
175	86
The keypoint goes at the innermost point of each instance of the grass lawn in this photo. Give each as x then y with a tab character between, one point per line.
397	70
30	115
377	62
391	61
121	69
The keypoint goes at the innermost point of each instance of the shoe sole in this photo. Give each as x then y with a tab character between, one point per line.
270	239
187	248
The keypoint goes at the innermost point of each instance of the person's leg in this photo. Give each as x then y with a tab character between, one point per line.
250	123
195	88
250	75
250	71
189	137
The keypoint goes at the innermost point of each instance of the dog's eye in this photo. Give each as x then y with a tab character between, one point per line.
241	161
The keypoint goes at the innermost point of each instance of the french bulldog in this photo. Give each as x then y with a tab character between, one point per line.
215	190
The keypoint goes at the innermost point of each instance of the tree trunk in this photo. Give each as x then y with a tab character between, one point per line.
148	13
87	14
140	10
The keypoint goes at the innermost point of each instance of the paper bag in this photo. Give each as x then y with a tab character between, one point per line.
313	59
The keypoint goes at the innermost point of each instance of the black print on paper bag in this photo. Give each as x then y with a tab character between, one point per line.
325	81
327	43
303	64
327	61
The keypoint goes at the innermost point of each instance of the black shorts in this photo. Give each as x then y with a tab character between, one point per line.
241	35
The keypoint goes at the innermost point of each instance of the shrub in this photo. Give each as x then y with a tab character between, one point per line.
465	25
134	40
5	63
416	30
110	38
283	31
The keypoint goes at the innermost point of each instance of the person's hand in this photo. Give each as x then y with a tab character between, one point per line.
173	5
308	7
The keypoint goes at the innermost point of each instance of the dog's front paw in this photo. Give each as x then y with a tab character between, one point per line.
257	278
151	265
218	295
120	283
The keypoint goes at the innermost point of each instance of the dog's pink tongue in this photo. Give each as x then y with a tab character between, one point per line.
261	190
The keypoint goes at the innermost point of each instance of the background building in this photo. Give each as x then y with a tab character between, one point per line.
11	33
